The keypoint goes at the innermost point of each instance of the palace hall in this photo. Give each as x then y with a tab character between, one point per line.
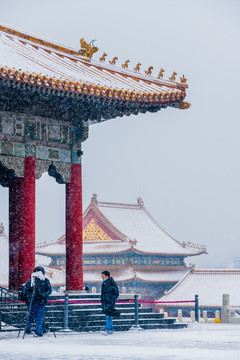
126	240
50	94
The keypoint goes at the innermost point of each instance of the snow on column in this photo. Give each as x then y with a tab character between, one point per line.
74	246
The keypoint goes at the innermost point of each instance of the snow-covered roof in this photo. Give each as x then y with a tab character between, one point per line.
55	276
128	274
161	276
126	227
89	247
209	285
43	260
31	60
139	228
93	276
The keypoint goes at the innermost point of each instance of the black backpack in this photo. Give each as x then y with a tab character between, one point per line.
114	312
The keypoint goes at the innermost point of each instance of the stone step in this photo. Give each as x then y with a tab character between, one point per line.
86	306
89	296
56	316
89	322
75	296
83	311
143	316
89	316
128	327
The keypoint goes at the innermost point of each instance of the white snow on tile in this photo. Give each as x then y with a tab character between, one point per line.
95	275
31	57
209	285
136	223
161	276
89	247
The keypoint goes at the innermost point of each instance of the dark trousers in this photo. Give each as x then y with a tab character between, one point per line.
37	314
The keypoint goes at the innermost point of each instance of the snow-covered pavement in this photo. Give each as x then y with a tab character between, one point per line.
198	341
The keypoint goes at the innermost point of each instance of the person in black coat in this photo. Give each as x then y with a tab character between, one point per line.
36	291
109	295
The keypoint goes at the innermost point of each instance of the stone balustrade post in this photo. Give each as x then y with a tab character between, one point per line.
225	310
180	319
205	317
192	316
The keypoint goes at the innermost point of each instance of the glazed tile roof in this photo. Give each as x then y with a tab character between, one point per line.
160	276
135	228
36	62
128	274
94	276
55	276
209	285
138	228
89	247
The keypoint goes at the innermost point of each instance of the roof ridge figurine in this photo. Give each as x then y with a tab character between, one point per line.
87	49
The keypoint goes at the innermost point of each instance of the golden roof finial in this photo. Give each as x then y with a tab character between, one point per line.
125	65
87	49
160	75
184	81
173	77
113	61
103	57
149	70
137	67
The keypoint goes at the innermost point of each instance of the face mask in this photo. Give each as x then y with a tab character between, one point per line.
104	279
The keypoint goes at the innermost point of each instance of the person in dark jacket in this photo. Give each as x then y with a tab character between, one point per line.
109	295
37	291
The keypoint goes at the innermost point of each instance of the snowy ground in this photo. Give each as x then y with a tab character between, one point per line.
198	341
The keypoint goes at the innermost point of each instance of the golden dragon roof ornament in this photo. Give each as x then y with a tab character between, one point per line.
87	49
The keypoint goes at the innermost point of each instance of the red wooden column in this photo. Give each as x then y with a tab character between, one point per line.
22	226
27	222
74	245
14	217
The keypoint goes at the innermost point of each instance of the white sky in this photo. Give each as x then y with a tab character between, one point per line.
184	164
